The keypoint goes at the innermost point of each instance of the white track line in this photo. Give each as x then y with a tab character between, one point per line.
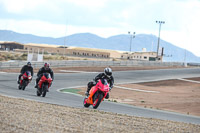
2	72
77	71
72	87
136	89
198	82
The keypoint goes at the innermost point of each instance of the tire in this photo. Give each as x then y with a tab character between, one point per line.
19	87
24	85
97	101
85	104
23	88
44	90
38	93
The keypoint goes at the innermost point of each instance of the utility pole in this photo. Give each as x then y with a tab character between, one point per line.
159	22
65	38
131	37
185	64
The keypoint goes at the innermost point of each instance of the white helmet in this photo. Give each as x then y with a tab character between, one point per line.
108	71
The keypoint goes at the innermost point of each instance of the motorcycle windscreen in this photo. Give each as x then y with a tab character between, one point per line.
105	85
28	73
47	75
104	81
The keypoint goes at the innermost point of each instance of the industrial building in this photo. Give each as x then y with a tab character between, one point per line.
79	52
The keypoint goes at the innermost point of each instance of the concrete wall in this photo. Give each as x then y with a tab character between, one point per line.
85	63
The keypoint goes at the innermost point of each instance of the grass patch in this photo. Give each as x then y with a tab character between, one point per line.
112	100
71	90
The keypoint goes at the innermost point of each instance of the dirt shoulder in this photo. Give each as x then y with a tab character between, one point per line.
171	95
18	115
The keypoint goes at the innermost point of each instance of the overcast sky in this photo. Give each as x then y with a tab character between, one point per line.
105	18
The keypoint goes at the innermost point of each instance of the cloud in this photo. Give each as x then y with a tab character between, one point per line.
36	27
42	28
19	6
105	18
88	3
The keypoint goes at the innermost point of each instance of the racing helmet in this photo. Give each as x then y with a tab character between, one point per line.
29	63
46	65
108	71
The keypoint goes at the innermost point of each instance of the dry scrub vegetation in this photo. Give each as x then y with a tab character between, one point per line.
6	56
24	116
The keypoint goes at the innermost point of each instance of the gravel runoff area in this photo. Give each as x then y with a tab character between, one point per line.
24	116
171	95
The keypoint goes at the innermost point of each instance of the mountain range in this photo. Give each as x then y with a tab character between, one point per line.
118	42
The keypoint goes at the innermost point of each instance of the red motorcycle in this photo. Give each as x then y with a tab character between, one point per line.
44	84
25	79
97	94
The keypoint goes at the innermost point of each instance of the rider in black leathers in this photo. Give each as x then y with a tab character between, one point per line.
25	68
45	69
106	75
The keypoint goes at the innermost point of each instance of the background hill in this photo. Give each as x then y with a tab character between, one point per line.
118	42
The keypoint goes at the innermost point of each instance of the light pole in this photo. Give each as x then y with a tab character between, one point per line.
159	22
131	37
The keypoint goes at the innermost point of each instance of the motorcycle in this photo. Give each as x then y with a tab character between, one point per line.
97	94
44	84
25	79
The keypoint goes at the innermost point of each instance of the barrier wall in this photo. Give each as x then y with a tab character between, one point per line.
86	63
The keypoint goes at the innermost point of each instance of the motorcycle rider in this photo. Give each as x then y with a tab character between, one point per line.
25	68
106	75
45	69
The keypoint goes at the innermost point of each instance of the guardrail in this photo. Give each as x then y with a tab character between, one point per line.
86	63
193	64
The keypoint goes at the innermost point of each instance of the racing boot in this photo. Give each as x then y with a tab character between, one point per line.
36	85
107	96
18	80
87	92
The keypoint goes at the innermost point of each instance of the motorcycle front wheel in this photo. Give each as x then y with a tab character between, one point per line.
38	93
24	84
19	87
97	101
44	90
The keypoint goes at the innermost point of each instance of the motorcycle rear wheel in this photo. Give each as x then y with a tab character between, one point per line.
85	103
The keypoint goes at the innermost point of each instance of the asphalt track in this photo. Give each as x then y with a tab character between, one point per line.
8	87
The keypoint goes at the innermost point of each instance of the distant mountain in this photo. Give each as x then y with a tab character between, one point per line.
118	42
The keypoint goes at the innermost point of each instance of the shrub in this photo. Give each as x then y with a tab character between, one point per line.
1	59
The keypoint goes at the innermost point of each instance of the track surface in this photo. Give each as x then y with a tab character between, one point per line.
8	86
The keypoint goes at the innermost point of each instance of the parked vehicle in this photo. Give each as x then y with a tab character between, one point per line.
97	94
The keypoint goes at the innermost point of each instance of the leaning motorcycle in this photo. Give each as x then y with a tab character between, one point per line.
25	79
97	94
44	84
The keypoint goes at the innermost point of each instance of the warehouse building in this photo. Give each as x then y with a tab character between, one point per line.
79	52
